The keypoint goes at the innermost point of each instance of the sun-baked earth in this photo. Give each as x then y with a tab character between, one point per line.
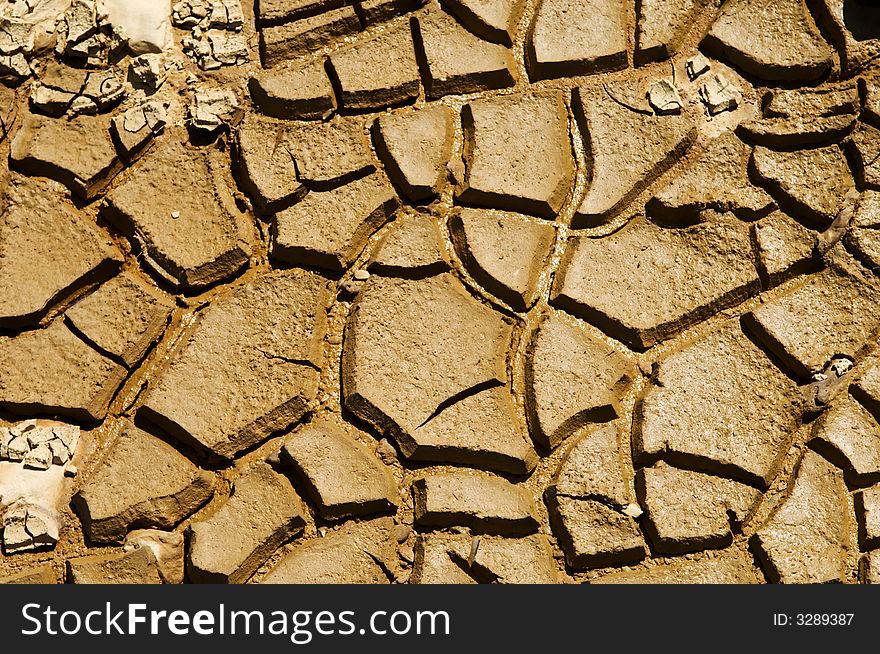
484	291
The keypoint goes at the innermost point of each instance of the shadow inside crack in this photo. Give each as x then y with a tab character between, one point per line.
862	19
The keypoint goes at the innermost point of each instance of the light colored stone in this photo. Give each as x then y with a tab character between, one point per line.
166	546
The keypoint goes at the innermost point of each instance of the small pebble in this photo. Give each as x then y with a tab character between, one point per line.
175	215
385	451
407	553
633	510
401	533
361	275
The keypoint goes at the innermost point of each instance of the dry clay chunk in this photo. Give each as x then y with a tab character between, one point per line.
867	503
278	12
578	37
864	147
628	149
591	467
784	247
280	43
293	93
140	482
341	476
483	430
662	25
869	568
356	553
39	227
51	370
804	117
849	436
328	229
717	179
415	147
571	379
410	248
603	280
863	236
229	545
42	574
730	567
374	12
78	153
442	559
455	61
124	317
775	40
176	207
263	163
517	154
808	184
328	155
689	511
806	541
504	252
135	567
492	20
721	404
866	389
378	73
412	346
832	313
483	503
593	534
249	368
